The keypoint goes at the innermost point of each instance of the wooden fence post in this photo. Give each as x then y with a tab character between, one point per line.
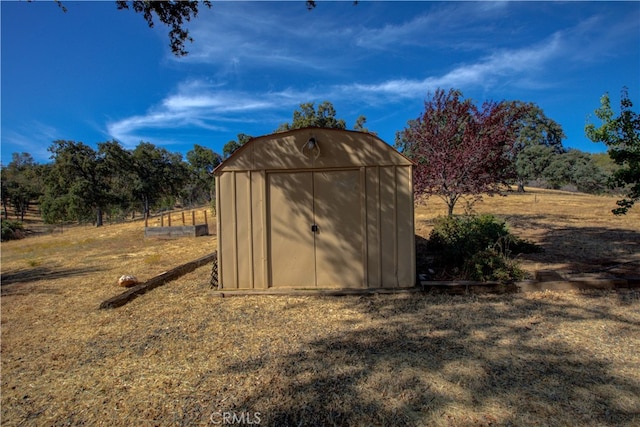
205	217
169	219
183	218
193	217
161	220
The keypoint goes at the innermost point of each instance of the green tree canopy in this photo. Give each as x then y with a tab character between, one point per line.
324	117
75	187
575	168
171	13
158	174
535	130
622	135
21	184
201	185
231	146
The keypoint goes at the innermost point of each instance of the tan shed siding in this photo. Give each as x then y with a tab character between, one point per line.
337	149
269	194
258	222
406	234
363	230
227	231
243	237
388	232
218	229
373	226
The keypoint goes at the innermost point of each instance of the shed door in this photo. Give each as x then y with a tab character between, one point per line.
315	229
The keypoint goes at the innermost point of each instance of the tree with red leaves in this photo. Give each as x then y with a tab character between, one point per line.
461	150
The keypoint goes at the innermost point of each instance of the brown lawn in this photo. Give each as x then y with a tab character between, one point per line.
181	356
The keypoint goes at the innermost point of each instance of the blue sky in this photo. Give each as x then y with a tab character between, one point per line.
95	73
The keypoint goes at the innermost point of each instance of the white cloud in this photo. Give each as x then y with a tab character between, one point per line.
519	65
209	106
248	41
33	138
238	37
197	104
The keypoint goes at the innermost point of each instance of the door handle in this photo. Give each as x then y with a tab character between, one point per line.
314	228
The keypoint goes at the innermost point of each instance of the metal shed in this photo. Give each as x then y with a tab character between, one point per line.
315	208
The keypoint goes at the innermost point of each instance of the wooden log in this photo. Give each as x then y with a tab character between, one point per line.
167	276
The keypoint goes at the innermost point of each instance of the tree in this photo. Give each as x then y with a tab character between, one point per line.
535	130
121	177
75	187
231	146
21	184
622	136
575	168
170	13
460	149
158	174
359	125
201	185
532	162
308	116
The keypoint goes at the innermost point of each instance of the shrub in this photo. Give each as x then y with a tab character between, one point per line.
11	230
477	248
491	264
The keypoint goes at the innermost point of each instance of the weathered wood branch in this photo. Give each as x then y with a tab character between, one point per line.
167	276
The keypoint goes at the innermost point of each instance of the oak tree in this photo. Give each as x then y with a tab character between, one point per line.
308	116
171	13
75	185
535	130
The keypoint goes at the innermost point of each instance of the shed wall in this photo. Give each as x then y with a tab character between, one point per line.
387	259
258	206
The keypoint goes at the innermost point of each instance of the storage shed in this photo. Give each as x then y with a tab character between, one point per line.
315	208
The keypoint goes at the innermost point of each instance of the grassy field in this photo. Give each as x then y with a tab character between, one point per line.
179	356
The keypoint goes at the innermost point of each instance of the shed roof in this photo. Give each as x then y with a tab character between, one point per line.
333	148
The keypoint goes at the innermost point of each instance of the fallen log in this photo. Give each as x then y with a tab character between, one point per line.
167	276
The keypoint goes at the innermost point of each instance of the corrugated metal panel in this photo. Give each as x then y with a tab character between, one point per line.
271	194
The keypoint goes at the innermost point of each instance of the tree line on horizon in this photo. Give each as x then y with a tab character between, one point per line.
461	150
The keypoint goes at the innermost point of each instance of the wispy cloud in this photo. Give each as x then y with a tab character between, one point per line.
33	138
243	36
259	40
454	25
201	104
507	65
198	104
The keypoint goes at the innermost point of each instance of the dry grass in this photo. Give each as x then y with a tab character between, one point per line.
577	231
179	355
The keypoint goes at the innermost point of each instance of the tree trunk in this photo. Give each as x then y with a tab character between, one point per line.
99	217
450	205
520	186
145	202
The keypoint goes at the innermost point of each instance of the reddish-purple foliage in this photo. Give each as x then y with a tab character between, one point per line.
461	149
